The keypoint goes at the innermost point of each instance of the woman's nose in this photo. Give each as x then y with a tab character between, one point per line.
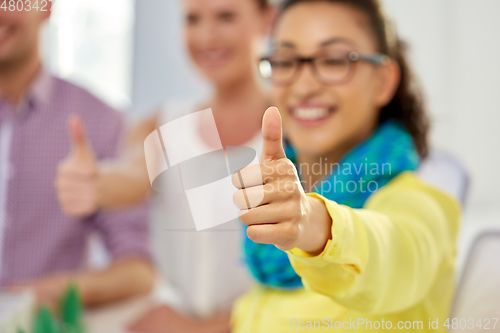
306	84
201	34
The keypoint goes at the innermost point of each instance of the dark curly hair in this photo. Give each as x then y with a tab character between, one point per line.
407	104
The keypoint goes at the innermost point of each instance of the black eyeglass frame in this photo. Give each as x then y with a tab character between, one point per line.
376	59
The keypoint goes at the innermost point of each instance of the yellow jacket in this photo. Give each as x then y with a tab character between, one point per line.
390	264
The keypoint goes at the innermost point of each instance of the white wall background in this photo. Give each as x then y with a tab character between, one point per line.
90	43
162	70
454	49
455	52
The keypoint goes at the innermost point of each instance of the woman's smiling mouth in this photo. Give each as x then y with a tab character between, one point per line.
311	115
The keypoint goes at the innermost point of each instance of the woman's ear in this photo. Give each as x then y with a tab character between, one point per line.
390	77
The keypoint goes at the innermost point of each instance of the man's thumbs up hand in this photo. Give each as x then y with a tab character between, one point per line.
81	149
77	175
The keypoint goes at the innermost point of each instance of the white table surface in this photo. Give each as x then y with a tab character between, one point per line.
116	318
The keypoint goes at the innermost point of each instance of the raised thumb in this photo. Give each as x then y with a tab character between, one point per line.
272	146
80	146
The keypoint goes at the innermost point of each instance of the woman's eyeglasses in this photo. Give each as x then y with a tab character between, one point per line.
328	69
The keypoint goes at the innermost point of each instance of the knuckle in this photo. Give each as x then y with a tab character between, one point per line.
290	190
64	167
290	233
295	210
268	179
296	194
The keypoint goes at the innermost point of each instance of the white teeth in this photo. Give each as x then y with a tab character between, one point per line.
310	113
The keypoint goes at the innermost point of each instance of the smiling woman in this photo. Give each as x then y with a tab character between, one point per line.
361	41
220	37
386	253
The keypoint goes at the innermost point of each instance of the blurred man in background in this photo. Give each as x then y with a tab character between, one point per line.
40	247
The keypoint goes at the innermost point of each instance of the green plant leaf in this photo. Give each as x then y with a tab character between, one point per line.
45	322
71	309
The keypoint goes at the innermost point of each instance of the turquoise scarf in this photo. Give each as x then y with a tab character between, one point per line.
368	167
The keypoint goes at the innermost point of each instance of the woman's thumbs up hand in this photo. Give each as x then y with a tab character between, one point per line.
285	216
272	136
77	175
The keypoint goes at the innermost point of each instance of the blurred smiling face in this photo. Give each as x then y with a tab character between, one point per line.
222	36
320	119
19	33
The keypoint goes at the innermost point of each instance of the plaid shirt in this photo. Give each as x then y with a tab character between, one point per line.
36	237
